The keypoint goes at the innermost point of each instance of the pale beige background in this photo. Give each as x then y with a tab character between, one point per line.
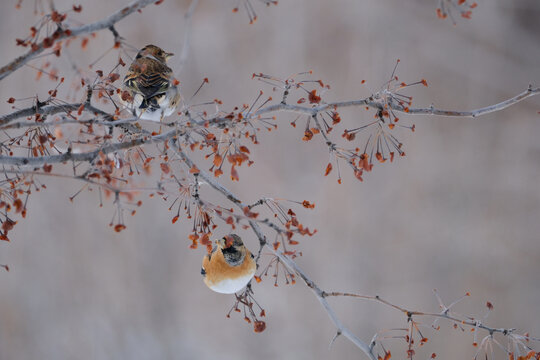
460	213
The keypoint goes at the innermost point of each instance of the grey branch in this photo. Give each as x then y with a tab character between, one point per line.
410	313
173	134
87	156
373	102
187	34
51	110
478	112
320	294
85	29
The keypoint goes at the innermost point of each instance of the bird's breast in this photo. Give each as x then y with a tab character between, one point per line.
230	286
224	278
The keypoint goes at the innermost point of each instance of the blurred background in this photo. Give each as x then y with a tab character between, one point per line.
461	212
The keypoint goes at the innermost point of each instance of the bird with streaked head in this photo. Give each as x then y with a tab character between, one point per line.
150	91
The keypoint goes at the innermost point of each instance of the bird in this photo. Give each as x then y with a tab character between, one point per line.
229	267
149	89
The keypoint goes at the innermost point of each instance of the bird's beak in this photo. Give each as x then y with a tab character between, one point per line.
168	55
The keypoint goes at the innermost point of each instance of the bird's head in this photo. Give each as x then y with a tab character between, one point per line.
229	241
155	51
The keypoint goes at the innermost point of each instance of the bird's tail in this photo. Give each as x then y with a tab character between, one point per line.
150	104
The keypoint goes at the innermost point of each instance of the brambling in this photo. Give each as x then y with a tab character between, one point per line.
229	267
149	89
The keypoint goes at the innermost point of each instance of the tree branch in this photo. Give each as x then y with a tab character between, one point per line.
341	329
51	110
187	34
373	102
320	294
409	313
87	156
474	113
85	29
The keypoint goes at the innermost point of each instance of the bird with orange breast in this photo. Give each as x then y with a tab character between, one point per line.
229	267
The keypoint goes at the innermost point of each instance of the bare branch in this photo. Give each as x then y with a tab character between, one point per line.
374	103
320	294
85	29
87	156
409	313
51	110
65	120
42	146
187	34
285	259
478	112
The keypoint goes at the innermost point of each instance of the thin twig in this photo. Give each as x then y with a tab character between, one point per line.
374	103
52	110
187	35
87	156
409	313
85	29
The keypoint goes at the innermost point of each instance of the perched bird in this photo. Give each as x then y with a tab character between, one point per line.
229	267
150	91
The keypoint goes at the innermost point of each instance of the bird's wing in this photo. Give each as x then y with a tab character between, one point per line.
148	77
